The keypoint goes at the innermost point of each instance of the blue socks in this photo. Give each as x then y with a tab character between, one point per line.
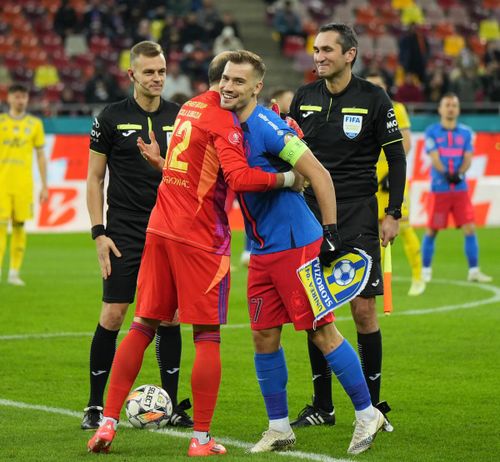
272	375
427	250
471	248
345	364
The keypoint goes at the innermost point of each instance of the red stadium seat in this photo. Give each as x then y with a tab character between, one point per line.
293	44
444	29
13	59
365	15
11	12
35	58
98	45
52	43
6	44
53	93
59	59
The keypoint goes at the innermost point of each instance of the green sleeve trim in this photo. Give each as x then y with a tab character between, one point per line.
394	141
354	110
293	150
167	128
129	127
310	108
98	153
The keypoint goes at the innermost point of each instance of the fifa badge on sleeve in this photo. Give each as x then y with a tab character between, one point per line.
328	287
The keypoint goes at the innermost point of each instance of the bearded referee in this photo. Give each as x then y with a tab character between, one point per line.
131	195
346	121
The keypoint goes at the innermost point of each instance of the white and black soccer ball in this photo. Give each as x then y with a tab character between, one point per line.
344	272
148	406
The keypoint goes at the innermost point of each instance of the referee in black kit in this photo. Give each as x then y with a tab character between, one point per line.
346	121
131	195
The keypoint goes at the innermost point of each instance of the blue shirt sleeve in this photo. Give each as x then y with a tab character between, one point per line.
468	141
430	140
273	130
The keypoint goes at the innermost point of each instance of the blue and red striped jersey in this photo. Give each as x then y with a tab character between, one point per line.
279	219
451	146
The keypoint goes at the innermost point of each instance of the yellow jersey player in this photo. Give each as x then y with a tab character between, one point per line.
20	133
410	239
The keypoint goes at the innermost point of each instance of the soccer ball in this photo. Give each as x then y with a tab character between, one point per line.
343	272
148	406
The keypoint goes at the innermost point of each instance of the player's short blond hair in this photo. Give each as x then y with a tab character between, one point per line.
145	48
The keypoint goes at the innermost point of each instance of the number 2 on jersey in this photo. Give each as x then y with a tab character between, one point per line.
182	130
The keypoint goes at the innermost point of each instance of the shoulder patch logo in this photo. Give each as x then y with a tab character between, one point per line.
352	125
234	138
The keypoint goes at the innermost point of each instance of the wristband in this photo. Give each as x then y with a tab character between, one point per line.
289	179
97	230
330	229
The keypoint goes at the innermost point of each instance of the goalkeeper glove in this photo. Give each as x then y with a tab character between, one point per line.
292	123
454	178
330	247
384	183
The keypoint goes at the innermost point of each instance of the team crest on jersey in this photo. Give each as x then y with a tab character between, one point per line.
329	287
234	138
352	125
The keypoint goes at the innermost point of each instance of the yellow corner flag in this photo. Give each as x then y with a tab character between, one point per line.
328	287
388	280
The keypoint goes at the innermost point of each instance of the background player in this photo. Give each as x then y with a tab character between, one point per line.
449	145
346	122
285	235
131	195
20	133
186	257
411	242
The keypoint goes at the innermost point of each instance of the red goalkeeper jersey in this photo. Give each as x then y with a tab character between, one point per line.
205	154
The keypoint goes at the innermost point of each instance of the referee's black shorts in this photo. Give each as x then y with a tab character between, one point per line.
128	232
357	221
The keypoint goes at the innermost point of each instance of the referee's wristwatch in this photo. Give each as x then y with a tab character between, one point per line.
393	212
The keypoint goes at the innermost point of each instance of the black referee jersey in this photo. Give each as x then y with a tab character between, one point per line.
132	181
346	131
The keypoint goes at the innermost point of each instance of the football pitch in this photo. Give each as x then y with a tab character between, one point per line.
441	371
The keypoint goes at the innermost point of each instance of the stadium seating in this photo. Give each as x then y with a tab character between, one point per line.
31	48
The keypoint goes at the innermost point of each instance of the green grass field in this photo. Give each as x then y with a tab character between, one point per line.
441	365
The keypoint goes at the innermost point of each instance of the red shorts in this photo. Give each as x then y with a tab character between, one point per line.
442	204
178	276
275	293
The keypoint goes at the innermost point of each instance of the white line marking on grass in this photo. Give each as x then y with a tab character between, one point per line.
176	433
415	312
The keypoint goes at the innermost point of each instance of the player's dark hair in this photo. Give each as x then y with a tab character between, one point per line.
216	67
347	36
18	87
145	48
245	56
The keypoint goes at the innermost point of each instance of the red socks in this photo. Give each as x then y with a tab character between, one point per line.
126	366
205	378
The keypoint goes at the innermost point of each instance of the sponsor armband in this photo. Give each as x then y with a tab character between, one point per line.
293	150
